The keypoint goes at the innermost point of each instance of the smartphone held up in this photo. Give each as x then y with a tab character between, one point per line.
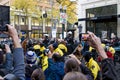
4	19
83	36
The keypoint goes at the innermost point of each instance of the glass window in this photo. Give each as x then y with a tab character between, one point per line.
101	19
102	11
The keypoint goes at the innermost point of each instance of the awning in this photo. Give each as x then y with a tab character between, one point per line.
100	18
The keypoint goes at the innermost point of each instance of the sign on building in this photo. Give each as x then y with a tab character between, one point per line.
63	18
53	33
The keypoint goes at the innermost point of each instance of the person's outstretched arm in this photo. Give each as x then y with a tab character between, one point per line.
18	56
108	68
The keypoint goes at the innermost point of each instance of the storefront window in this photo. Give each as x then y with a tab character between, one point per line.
102	11
102	19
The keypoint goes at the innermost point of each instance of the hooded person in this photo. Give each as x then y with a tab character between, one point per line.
63	47
42	58
37	49
92	65
56	49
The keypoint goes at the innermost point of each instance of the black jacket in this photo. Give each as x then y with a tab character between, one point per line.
108	70
86	72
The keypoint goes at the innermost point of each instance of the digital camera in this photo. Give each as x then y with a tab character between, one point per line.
8	42
46	51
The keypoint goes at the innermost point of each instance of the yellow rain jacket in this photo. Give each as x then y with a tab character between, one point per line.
42	48
44	59
94	67
36	46
112	50
62	46
57	50
90	48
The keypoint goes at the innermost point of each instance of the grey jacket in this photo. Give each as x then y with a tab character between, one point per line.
19	65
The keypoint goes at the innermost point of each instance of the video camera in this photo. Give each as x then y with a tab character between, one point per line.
8	42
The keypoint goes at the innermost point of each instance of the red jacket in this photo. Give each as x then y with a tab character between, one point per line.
109	54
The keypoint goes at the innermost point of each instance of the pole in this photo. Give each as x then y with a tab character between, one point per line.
63	29
42	26
63	17
43	19
39	28
51	3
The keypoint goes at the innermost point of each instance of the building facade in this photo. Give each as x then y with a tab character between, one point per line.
100	16
35	25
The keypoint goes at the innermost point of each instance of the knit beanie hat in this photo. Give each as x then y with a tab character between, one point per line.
31	57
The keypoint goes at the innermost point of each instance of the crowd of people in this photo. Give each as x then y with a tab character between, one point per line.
57	59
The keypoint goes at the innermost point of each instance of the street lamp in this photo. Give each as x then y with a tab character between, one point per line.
63	18
44	15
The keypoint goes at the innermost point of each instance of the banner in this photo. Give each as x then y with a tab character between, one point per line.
53	33
63	18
